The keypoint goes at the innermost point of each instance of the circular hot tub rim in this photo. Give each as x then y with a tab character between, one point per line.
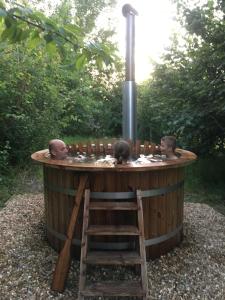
162	185
185	158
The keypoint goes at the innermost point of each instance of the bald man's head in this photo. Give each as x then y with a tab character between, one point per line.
57	149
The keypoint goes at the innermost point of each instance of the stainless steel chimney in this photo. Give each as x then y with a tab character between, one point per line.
129	87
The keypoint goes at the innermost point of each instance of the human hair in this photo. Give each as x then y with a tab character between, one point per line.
121	151
170	141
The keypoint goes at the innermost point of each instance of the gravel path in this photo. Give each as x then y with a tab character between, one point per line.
195	270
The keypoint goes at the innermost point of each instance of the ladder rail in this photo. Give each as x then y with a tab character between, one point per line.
142	244
84	244
64	259
118	288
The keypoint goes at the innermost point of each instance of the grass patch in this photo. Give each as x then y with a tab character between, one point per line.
215	199
21	180
205	183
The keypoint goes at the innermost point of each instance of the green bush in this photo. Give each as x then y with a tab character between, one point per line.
91	105
4	158
30	108
207	173
4	173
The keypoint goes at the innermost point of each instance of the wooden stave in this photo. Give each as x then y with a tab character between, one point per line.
102	182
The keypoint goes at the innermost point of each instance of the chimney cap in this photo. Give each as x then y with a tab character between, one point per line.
128	9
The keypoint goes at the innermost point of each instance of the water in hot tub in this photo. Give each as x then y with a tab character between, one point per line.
111	161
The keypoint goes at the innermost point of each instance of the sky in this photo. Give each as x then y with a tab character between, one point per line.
153	27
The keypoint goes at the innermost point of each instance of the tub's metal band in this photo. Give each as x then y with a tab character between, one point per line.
119	245
163	238
96	245
119	195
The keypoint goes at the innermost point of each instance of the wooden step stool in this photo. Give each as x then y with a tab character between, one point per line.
88	257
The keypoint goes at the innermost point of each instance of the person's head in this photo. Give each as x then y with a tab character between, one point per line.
57	149
168	146
121	151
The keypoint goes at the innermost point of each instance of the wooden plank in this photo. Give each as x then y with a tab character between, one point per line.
181	197
97	146
80	145
113	288
146	147
146	204
153	210
162	205
170	196
137	148
101	149
142	244
84	244
54	206
89	149
100	205
61	199
109	150
175	195
73	183
110	182
84	149
112	230
63	262
47	194
113	258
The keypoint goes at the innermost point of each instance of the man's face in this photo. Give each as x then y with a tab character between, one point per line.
59	150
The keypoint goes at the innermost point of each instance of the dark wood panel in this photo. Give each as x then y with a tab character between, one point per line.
161	213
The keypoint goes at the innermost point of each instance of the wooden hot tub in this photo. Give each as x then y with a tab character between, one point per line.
162	185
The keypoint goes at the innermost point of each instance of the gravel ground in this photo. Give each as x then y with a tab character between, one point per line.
195	270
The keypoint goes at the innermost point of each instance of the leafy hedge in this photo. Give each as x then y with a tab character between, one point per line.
29	104
41	98
186	95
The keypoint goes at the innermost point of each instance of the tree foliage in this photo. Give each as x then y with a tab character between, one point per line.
92	106
29	104
186	95
21	23
41	98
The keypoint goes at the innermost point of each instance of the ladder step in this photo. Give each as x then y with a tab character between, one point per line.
113	288
113	258
113	205
137	257
112	230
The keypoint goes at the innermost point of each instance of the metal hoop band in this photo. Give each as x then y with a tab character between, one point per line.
119	245
119	195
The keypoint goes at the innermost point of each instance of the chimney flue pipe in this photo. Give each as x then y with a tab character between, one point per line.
129	87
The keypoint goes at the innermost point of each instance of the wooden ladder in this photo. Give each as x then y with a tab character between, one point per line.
133	257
